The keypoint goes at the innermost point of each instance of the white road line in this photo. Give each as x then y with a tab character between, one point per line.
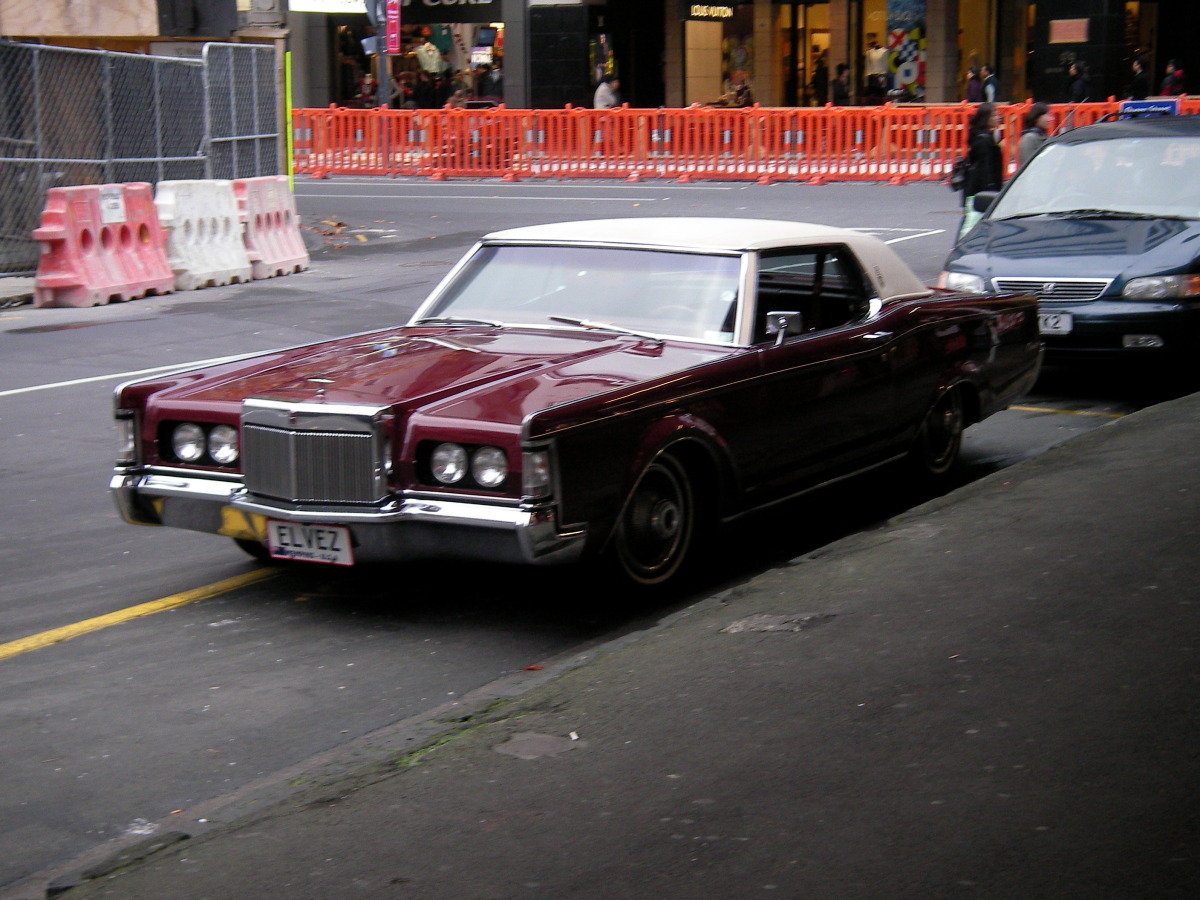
912	237
472	197
120	376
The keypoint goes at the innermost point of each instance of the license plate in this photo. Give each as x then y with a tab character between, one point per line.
1054	323
310	543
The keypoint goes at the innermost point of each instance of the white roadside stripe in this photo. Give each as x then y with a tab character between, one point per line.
121	376
474	197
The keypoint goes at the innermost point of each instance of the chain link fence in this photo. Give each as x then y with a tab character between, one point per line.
71	117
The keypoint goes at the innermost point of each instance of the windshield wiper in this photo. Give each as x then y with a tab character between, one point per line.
604	326
1087	214
1101	214
456	320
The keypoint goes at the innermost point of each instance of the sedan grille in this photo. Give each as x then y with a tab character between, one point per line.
310	466
1065	290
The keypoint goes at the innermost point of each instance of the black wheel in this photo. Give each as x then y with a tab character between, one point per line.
940	439
657	528
254	548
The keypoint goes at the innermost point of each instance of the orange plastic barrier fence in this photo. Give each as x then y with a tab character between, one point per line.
878	143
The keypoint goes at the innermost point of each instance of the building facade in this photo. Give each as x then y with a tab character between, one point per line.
549	53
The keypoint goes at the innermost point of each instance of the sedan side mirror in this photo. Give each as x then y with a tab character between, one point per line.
784	324
984	199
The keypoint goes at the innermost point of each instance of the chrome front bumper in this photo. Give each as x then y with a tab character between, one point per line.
403	527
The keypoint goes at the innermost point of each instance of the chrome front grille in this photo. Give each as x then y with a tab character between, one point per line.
309	453
1062	290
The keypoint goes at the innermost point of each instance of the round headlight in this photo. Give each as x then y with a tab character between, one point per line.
188	442
449	463
223	445
489	467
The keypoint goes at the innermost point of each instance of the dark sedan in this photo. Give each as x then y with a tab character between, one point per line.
1103	225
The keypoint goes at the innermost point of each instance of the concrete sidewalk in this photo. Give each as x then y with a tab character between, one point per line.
993	695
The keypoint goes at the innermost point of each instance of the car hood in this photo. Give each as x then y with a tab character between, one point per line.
1080	248
472	374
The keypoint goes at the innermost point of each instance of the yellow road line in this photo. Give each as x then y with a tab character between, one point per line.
67	632
1069	412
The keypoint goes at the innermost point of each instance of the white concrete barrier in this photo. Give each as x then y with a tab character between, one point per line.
272	226
204	233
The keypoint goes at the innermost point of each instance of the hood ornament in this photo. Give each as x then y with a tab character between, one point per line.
320	383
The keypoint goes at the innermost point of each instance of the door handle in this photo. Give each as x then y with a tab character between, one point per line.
876	335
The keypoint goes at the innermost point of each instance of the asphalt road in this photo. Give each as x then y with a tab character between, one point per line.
119	727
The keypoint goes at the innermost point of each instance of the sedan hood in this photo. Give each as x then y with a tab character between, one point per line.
488	374
1046	246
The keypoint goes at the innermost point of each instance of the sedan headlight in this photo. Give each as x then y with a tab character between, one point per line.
126	439
448	463
489	467
536	473
223	445
1162	287
961	281
187	441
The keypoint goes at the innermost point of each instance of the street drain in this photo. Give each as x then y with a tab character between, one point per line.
531	745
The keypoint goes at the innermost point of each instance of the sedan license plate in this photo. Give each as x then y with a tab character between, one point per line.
310	543
1054	323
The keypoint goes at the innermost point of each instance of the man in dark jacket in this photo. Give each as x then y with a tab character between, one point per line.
841	86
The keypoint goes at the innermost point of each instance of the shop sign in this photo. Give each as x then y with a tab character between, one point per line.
706	13
330	7
392	19
1068	31
447	12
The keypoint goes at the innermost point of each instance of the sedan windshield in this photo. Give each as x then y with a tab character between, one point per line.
687	295
1155	177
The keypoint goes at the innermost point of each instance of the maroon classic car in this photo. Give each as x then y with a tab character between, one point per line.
602	389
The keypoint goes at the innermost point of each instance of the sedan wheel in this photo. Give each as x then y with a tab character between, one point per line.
940	440
657	527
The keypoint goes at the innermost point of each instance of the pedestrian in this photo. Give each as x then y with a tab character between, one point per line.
841	86
1037	129
974	86
1172	85
991	84
875	68
819	83
607	94
1081	85
985	162
1139	85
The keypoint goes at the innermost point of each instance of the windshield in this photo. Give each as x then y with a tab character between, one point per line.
1158	176
686	295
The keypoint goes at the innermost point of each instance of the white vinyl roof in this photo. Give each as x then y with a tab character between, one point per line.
890	276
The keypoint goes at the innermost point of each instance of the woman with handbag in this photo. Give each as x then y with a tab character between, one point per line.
985	162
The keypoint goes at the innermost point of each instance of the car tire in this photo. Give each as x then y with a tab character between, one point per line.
659	526
257	549
939	442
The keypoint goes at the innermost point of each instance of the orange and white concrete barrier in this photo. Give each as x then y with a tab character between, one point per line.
100	243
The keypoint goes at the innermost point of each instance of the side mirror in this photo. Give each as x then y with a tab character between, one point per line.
784	324
984	199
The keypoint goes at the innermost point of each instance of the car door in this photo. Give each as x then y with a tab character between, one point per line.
824	399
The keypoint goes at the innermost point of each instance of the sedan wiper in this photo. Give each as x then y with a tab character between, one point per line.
1102	214
456	320
604	326
1084	214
